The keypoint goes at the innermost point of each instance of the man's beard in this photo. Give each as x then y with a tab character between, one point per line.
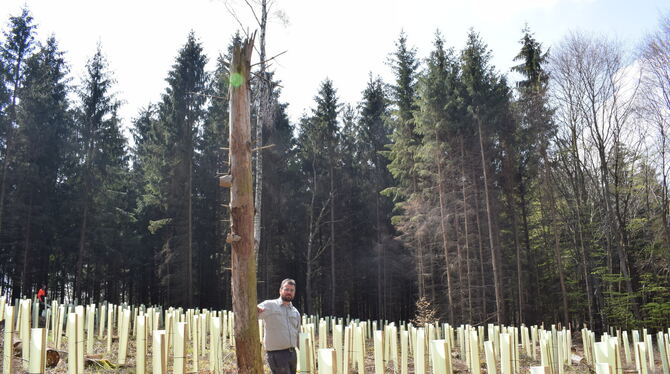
287	298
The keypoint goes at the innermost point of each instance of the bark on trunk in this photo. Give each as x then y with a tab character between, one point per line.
466	233
584	249
484	315
261	121
332	240
241	237
445	241
495	258
189	196
555	229
25	279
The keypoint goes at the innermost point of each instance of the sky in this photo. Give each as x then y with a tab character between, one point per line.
343	40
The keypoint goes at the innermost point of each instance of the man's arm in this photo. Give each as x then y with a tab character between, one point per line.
261	308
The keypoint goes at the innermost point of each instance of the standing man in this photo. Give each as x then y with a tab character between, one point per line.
282	324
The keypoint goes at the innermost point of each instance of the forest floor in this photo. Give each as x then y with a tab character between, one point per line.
96	363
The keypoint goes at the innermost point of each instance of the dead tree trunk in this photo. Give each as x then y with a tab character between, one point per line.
241	235
262	120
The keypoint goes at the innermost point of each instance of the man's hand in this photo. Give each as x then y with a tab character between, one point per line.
260	310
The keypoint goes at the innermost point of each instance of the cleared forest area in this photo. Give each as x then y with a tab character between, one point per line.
111	338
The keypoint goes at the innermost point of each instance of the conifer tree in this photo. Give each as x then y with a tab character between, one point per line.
44	129
182	111
483	94
536	129
17	47
102	160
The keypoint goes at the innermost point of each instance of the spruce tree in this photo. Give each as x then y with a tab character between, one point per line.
16	49
44	129
100	175
181	113
483	94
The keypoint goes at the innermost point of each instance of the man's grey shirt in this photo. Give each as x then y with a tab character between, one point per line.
282	324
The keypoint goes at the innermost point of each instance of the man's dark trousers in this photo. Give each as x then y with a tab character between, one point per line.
282	362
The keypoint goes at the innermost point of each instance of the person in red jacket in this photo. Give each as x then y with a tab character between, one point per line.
42	293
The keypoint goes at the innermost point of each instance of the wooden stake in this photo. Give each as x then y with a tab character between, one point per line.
337	344
179	365
490	358
626	347
38	351
24	331
159	362
505	354
539	370
59	332
379	352
195	342
215	357
141	344
304	358
328	361
650	349
123	336
603	368
440	356
54	320
79	311
8	354
420	352
359	347
72	359
662	352
101	324
640	356
110	332
346	350
474	353
90	318
323	334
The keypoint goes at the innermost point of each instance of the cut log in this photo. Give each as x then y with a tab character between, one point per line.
53	358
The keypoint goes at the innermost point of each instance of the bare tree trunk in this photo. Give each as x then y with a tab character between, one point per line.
333	283
421	267
497	271
481	252
519	271
26	248
189	196
262	120
585	253
551	209
241	237
530	256
664	184
381	264
459	264
82	250
466	233
445	239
